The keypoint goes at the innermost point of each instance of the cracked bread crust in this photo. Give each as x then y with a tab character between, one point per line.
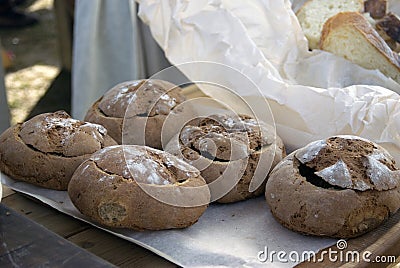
133	106
309	192
112	188
227	150
47	149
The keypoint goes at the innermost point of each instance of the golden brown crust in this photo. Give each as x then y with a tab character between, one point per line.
46	154
304	202
111	186
360	23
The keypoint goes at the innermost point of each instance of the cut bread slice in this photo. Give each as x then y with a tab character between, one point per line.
350	35
314	13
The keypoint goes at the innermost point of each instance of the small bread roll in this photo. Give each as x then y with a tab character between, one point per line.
342	187
134	111
227	149
138	187
47	149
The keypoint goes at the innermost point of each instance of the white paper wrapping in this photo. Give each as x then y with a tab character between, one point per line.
229	235
312	94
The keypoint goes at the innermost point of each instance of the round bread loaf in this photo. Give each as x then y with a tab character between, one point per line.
138	187
47	149
342	187
134	111
227	149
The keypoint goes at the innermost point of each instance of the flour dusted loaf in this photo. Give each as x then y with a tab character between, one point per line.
139	187
47	149
314	13
350	35
227	149
343	186
134	111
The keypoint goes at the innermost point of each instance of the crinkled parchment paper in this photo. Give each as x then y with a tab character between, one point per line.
312	94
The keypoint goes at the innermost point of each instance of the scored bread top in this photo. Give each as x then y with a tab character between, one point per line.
349	162
226	137
141	98
58	133
143	165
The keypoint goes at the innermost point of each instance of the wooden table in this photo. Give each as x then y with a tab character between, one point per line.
82	242
66	232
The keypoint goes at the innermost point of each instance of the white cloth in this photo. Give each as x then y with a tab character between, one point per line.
111	45
4	111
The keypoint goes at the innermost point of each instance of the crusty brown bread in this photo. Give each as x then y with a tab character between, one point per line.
227	150
138	187
376	8
47	149
350	35
390	24
314	13
342	187
134	111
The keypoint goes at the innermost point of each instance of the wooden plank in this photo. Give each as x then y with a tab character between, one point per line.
383	241
53	220
115	250
118	251
6	191
27	244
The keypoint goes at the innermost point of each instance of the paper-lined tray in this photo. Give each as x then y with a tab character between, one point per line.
229	235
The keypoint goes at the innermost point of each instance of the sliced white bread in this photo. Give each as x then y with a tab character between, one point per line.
313	14
350	35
